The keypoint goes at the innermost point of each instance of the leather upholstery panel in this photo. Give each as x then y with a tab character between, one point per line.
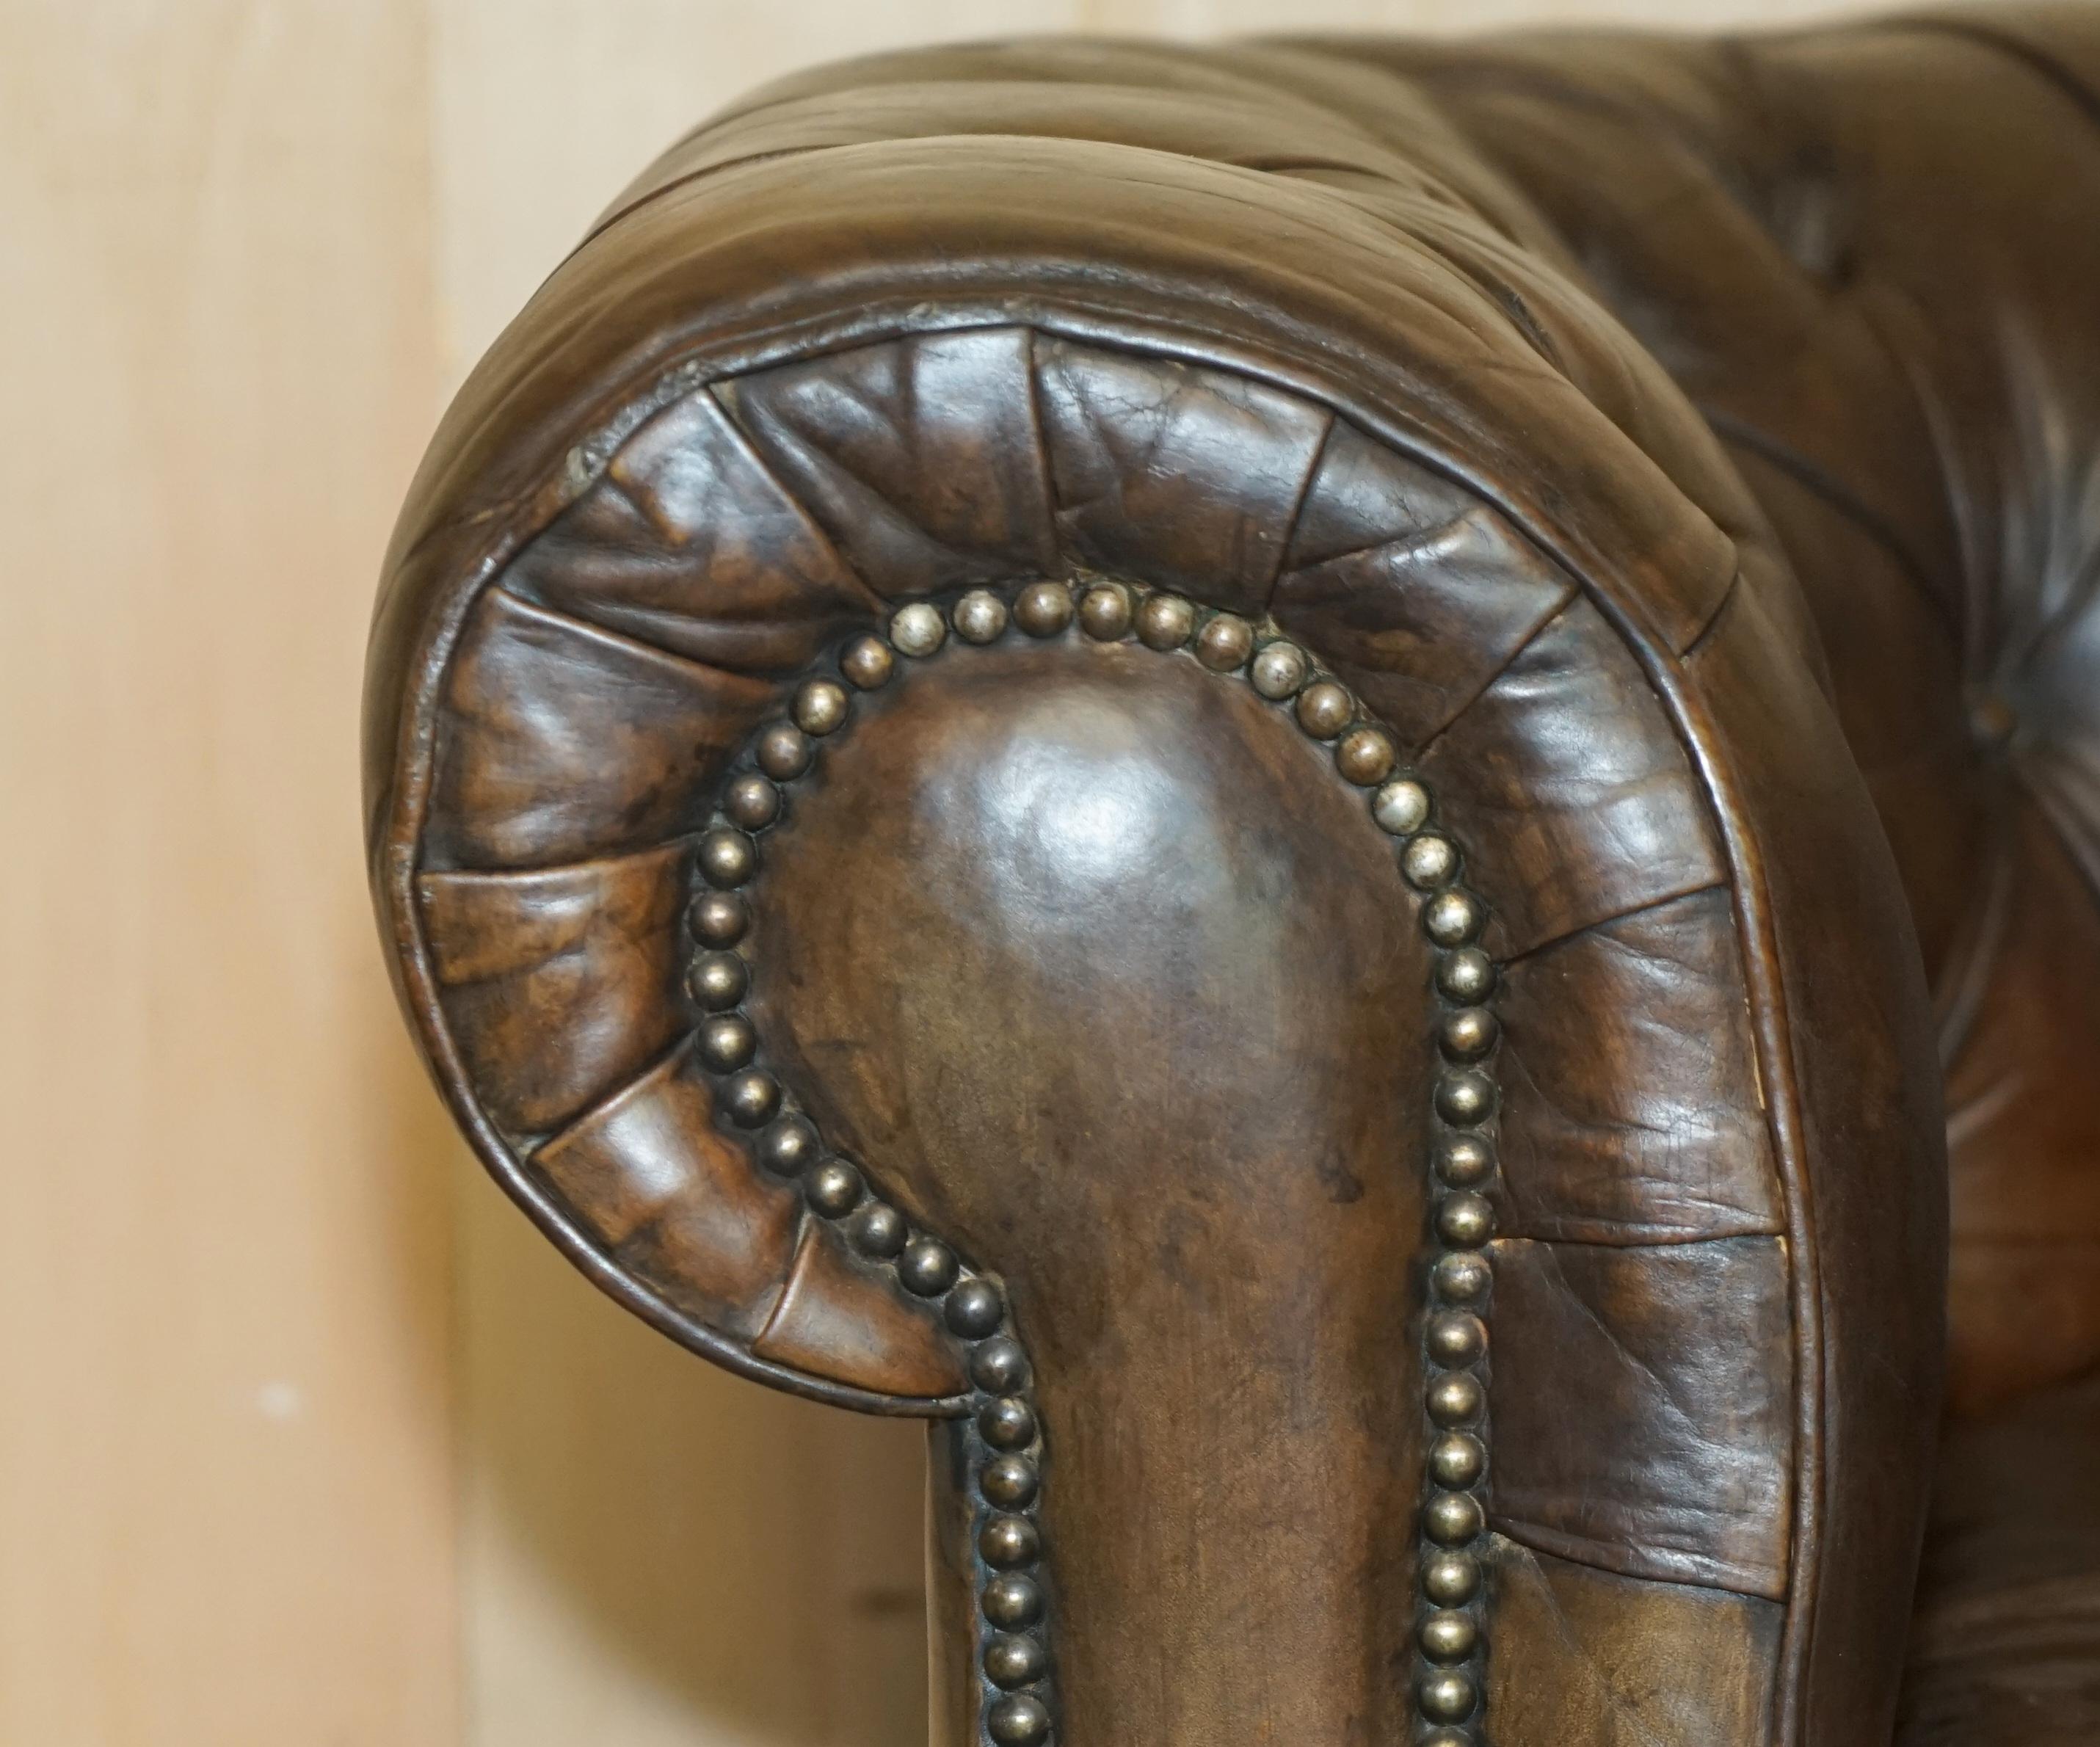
1188	478
1566	761
1856	1032
1642	1404
1678	1150
1419	592
660	1183
1642	1664
837	1319
559	983
1097	966
688	545
919	458
563	742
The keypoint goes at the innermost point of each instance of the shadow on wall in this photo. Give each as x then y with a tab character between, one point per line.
656	1554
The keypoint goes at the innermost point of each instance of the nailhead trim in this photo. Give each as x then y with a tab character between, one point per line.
1002	1433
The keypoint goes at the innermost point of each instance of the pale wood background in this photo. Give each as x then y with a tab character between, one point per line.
305	1440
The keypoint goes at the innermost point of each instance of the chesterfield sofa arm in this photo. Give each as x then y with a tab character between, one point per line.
1078	740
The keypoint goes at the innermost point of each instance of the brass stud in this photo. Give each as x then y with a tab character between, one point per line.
974	1309
717	918
727	858
998	1366
1447	1695
1020	1720
1452	1519
1464	1160
1465	1220
1014	1600
1450	1580
1463	1276
1008	1481
1455	1399
1006	1541
1468	1034
820	707
1448	1636
1224	643
1044	609
718	979
784	751
918	629
789	1147
1006	1424
1452	918
1466	975
752	801
1446	1738
1104	611
879	1230
1279	670
1364	756
1014	1661
1465	1099
1456	1459
1400	807
1456	1338
927	1268
727	1043
868	663
1164	621
1324	709
1428	862
980	617
750	1097
833	1189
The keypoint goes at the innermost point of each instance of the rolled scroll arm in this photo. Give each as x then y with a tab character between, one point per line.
1230	881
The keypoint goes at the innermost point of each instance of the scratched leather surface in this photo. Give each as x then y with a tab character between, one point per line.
1685	448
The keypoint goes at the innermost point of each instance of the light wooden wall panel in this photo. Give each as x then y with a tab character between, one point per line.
225	1478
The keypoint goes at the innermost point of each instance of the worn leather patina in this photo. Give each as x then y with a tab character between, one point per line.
1679	460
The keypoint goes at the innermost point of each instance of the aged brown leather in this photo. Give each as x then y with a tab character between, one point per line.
2009	1602
1683	454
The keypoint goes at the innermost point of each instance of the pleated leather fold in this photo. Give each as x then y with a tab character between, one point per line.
557	983
1642	1394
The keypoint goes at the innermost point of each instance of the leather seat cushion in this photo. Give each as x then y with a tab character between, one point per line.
2005	1643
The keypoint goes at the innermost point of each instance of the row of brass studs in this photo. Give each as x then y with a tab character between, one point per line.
1004	1438
1449	1632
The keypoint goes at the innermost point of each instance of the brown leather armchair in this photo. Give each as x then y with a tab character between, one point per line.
1285	778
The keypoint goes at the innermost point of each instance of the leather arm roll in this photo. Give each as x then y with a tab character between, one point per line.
1061	742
